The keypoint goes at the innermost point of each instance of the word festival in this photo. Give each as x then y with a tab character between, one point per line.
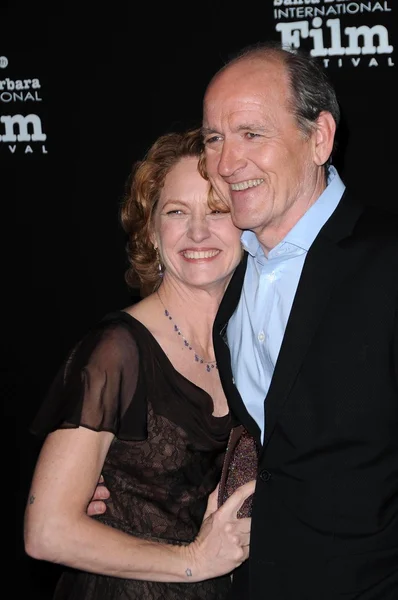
331	41
20	131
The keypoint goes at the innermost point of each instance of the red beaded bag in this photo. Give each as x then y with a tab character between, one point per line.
240	466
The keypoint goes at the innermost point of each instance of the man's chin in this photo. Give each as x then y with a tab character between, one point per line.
241	221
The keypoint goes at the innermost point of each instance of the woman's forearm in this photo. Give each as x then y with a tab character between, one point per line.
89	545
84	543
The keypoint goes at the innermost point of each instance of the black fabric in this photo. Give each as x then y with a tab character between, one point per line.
166	456
325	510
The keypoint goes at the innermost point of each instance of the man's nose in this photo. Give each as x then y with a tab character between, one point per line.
231	159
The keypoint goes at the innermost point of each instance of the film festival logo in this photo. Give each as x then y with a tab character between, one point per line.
336	32
20	132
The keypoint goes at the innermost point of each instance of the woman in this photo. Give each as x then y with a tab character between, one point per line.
140	401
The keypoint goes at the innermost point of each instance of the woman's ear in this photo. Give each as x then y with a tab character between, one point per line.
323	137
153	241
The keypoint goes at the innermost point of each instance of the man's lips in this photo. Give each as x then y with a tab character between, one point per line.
245	185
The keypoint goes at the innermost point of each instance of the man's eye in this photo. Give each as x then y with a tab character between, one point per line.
212	139
252	135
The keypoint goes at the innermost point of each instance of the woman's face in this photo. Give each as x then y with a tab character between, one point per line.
198	246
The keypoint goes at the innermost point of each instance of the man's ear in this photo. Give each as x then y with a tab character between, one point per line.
323	137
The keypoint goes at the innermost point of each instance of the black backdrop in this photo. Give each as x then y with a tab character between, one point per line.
104	83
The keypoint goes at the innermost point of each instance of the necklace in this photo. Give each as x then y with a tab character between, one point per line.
210	364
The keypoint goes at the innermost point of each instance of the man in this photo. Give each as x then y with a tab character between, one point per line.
311	322
306	336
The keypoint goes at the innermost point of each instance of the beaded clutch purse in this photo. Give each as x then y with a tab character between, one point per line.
240	466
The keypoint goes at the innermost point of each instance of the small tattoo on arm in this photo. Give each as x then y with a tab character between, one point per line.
188	572
31	499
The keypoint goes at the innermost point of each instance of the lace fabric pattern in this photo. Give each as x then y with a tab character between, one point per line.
165	459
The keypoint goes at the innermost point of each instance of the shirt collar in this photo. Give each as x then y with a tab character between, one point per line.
307	228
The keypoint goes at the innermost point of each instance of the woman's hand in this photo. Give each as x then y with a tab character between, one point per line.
57	527
223	541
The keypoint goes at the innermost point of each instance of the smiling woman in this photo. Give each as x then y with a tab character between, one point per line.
140	404
198	245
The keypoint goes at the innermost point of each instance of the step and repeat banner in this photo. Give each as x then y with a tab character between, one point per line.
22	132
83	95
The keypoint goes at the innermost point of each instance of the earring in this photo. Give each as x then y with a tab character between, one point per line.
160	268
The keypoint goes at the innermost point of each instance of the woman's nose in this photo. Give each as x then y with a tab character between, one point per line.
198	228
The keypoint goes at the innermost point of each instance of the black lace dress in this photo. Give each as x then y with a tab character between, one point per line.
166	456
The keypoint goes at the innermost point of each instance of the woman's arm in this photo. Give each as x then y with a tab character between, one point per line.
58	528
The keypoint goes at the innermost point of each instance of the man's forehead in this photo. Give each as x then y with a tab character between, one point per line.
247	101
247	77
236	109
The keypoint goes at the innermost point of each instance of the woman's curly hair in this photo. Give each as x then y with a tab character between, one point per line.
139	204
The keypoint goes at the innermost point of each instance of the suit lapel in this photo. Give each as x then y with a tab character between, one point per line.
225	311
326	264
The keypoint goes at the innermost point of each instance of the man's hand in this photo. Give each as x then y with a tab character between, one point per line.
97	506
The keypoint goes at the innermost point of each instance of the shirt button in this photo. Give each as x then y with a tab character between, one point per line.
261	337
265	475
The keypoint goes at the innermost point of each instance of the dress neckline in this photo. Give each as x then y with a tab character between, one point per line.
130	319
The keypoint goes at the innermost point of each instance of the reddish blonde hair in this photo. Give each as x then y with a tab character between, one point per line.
138	208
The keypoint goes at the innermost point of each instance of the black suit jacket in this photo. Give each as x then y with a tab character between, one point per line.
325	512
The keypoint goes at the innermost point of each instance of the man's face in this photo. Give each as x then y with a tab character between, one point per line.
257	158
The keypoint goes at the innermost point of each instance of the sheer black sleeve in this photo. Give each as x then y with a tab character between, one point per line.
96	387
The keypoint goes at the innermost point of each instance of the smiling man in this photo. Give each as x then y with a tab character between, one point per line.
306	336
310	366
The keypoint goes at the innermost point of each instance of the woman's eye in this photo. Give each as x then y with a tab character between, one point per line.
219	213
174	212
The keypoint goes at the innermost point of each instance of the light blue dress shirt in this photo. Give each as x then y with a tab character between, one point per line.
255	330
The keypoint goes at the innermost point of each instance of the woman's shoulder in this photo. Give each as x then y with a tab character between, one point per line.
143	316
111	340
129	319
117	320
